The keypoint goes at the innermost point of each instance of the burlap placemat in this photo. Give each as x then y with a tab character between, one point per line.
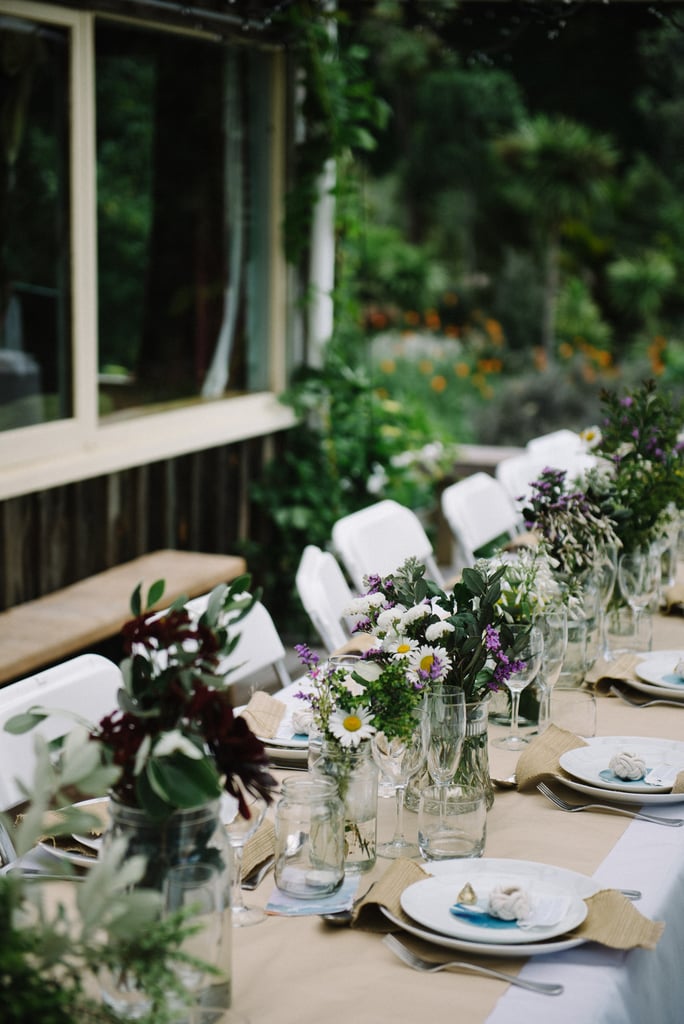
258	847
263	714
611	918
603	673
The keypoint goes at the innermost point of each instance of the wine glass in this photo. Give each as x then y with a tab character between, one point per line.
526	654
399	760
553	624
444	726
639	578
605	575
239	829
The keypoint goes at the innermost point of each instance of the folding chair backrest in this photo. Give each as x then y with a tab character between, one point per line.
480	515
325	593
85	686
379	538
258	648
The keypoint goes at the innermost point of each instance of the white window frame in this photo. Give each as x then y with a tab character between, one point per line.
46	455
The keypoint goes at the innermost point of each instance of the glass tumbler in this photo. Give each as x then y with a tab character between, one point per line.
309	838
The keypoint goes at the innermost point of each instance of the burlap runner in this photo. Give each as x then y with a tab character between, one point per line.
611	918
263	714
603	672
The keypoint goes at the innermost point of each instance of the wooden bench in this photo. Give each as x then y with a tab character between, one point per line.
61	624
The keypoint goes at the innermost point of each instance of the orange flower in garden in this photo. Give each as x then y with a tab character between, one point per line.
432	319
378	319
489	365
655	350
388	366
603	358
462	370
425	366
438	383
588	373
452	331
565	350
411	318
495	331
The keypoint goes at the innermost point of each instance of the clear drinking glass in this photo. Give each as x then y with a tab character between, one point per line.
239	829
399	760
444	728
554	628
639	578
528	656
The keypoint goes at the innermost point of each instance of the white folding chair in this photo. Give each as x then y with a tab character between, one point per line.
517	473
480	515
86	685
325	593
556	443
258	648
379	538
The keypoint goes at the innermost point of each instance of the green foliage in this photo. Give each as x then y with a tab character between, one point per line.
640	432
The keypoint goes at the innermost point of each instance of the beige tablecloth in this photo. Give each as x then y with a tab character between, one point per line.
301	971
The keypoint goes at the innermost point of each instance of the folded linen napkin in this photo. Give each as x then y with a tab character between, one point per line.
540	760
258	847
603	672
611	918
263	714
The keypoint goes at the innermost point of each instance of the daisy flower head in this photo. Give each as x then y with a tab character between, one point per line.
428	664
401	646
351	727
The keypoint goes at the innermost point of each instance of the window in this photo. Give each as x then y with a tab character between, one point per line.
140	263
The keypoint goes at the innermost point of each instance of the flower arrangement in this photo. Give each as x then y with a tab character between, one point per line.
573	527
175	741
641	485
529	586
460	639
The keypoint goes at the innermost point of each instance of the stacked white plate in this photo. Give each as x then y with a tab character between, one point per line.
429	903
656	675
587	769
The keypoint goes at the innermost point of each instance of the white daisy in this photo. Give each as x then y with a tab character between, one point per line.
402	646
350	727
428	664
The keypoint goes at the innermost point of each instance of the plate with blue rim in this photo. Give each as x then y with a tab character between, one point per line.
455	873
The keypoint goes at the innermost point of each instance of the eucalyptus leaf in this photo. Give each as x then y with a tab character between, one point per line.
136	601
155	592
182	781
24	722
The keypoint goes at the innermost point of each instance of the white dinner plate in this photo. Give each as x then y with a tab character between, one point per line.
431	901
657	670
581	885
613	796
286	737
590	764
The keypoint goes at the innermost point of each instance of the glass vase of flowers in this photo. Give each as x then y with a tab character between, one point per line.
456	640
351	701
639	484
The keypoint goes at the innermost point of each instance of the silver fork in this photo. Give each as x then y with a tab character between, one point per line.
644	703
419	964
565	806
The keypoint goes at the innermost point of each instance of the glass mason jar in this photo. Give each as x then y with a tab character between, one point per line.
355	774
473	768
189	862
309	837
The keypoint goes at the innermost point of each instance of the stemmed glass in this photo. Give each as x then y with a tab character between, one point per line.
239	829
639	578
605	576
527	652
444	726
553	623
399	760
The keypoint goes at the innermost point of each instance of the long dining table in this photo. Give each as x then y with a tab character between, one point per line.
301	970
